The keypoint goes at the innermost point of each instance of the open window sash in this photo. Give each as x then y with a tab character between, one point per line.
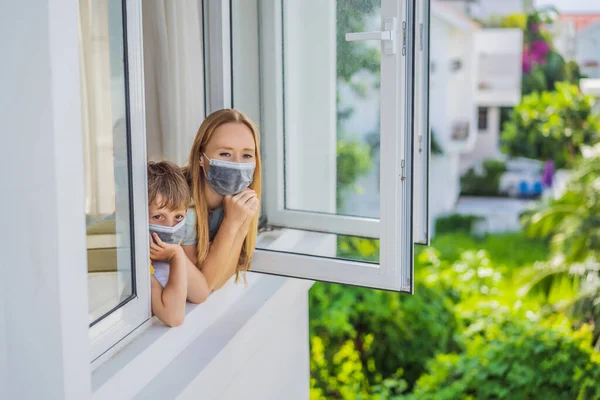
394	228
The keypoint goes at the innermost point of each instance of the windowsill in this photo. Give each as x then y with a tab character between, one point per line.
207	329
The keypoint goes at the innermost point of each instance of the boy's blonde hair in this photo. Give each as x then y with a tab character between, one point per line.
166	180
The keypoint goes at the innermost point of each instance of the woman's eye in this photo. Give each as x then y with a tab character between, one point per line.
225	154
248	156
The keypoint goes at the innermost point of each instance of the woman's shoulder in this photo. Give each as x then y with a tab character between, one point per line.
191	236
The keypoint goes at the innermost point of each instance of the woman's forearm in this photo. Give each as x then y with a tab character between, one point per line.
231	267
220	264
197	286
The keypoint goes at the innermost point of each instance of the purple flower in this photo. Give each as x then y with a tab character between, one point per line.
534	27
540	48
527	61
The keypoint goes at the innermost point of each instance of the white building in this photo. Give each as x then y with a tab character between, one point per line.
588	50
452	101
577	37
94	88
484	9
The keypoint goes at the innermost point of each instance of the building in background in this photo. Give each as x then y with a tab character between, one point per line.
577	38
484	9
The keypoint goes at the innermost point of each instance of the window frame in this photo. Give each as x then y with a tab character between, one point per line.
422	140
395	270
130	314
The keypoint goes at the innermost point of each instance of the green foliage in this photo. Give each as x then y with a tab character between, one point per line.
552	125
488	184
415	327
436	148
356	248
572	221
467	333
520	359
353	57
517	20
513	250
456	223
353	160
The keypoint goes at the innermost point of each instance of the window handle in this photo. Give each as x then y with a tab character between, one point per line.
387	36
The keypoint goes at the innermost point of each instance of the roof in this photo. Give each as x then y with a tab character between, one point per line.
580	20
453	17
589	28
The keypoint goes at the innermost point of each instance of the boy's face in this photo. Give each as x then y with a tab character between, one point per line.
163	216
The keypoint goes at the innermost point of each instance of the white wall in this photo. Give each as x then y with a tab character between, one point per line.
274	348
487	142
565	38
483	9
444	184
588	50
43	332
244	342
439	76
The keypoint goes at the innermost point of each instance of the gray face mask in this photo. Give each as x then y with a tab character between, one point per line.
228	178
169	234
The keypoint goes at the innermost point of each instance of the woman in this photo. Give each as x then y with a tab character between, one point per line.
223	172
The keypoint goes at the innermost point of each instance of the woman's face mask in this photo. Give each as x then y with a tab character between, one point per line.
169	234
228	178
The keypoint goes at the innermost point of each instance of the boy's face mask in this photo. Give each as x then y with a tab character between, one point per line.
228	178
169	234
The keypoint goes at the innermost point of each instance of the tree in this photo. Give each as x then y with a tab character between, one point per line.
552	125
572	223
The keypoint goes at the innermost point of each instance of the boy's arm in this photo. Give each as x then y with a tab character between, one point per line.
168	304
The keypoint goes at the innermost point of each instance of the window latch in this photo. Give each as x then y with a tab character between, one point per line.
387	36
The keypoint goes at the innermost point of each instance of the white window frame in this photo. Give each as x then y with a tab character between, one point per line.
395	228
422	139
111	329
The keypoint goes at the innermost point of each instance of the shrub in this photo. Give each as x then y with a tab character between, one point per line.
456	223
521	360
353	161
487	184
390	335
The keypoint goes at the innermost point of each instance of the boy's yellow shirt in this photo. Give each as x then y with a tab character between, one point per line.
151	268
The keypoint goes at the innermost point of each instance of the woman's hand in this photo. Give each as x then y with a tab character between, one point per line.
160	250
241	208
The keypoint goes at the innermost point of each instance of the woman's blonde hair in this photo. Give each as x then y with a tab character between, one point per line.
196	179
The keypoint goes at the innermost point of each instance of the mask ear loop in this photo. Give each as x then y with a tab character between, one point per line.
202	165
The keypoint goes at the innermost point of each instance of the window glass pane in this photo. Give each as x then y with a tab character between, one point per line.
331	107
107	193
482	116
319	244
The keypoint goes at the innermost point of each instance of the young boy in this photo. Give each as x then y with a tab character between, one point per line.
168	200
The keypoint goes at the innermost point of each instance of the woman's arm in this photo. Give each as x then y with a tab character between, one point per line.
168	304
223	256
197	286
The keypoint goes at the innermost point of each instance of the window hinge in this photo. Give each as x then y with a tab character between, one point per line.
403	176
403	38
